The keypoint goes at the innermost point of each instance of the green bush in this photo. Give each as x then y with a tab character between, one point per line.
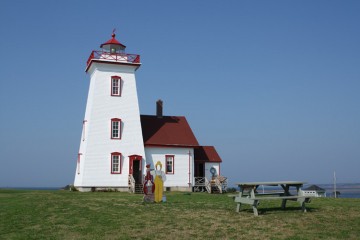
231	190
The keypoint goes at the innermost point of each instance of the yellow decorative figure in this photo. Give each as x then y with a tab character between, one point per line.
160	178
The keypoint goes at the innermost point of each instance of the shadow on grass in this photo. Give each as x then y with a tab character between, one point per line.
274	210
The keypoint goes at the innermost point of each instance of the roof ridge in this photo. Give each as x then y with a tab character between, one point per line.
148	115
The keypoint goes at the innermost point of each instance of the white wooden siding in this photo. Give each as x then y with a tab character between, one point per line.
180	178
95	162
208	166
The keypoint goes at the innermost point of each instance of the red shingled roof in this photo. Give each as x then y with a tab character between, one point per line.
207	154
167	131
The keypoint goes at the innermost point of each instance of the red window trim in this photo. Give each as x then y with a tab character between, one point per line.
111	128
111	160
173	164
111	86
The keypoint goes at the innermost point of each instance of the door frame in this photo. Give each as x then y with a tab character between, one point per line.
133	158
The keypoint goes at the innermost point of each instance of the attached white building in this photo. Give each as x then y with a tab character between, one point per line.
117	142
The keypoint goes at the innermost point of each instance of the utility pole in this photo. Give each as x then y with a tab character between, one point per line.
334	184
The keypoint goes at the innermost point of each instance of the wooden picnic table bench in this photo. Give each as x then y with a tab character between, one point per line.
249	195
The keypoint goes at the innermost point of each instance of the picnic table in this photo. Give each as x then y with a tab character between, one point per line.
249	195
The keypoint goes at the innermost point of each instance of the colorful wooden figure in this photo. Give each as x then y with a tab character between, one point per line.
160	178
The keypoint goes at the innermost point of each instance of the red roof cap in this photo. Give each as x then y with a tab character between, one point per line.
113	41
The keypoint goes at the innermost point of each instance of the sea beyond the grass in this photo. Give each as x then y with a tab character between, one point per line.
346	190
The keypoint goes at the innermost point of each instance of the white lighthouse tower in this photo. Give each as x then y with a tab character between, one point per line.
111	146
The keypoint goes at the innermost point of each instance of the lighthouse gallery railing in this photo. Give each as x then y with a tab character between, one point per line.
116	57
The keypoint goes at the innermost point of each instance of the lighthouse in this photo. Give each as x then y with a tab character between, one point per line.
111	145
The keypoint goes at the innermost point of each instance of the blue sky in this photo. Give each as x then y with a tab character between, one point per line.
273	85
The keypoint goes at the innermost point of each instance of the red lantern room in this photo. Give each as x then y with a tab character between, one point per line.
113	45
113	51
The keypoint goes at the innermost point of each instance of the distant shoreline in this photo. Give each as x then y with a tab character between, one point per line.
33	188
347	190
327	186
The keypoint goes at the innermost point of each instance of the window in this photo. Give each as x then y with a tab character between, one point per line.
115	163
115	86
169	159
115	128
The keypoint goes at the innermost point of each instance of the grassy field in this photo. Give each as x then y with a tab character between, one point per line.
26	214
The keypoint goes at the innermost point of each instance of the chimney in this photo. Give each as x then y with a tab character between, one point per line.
159	108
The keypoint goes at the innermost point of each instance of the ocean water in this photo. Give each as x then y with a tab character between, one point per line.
33	188
349	195
346	190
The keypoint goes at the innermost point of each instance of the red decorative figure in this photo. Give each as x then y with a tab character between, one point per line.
149	185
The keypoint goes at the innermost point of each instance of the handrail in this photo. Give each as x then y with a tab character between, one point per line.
199	184
218	184
223	182
131	183
115	57
199	181
207	185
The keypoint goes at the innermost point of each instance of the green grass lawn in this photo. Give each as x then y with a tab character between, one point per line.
26	214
